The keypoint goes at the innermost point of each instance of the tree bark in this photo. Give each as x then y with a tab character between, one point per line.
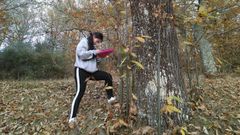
205	48
155	83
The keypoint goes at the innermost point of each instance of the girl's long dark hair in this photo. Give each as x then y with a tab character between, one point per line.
90	39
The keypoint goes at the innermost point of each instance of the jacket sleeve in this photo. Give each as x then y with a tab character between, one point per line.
83	52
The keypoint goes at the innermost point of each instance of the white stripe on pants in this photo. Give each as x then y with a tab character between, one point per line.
78	91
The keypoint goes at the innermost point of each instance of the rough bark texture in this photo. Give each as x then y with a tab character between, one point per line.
155	19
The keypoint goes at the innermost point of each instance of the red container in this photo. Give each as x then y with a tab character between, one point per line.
105	52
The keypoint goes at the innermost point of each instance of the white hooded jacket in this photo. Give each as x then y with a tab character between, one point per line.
85	59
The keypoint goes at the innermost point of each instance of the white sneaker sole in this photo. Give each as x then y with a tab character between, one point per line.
112	100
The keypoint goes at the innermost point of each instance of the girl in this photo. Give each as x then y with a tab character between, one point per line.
85	67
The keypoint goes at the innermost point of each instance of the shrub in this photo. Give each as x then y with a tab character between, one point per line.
23	61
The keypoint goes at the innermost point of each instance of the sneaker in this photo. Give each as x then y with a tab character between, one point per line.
111	100
72	122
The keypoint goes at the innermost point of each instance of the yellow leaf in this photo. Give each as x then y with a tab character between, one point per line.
145	36
169	101
176	98
170	98
108	88
133	54
124	75
138	64
203	12
219	61
134	97
140	39
183	130
123	61
123	12
187	43
170	109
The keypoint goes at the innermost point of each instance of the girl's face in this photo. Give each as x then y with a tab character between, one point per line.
96	41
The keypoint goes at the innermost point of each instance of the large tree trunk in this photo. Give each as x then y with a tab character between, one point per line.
161	77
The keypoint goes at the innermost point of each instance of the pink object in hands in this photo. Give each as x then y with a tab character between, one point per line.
104	53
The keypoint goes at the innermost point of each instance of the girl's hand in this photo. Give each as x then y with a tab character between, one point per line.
98	51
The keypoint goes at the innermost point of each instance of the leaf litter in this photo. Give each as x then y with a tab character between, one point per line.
219	109
42	107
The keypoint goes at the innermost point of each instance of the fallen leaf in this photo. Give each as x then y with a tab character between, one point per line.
205	130
140	39
134	97
170	109
144	131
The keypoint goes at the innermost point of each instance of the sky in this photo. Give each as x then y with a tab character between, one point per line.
36	33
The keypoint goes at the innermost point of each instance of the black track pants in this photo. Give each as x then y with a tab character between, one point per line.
80	79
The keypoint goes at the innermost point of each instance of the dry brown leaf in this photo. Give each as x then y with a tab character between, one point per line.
118	124
133	109
144	131
202	107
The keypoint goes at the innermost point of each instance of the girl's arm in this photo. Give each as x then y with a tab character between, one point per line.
83	52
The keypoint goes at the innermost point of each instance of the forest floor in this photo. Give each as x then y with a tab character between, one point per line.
216	107
42	107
